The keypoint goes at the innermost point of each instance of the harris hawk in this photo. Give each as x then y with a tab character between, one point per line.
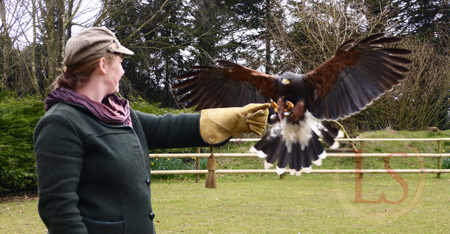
358	73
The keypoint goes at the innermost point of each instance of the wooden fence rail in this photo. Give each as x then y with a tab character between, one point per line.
313	171
358	156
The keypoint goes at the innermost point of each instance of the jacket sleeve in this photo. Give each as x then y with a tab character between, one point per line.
171	131
59	159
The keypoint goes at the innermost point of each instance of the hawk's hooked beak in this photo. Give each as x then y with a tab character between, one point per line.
285	81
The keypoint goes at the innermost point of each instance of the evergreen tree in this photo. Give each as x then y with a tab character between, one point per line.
421	18
154	31
231	30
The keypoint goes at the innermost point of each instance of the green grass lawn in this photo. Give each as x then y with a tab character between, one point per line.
267	204
305	204
20	216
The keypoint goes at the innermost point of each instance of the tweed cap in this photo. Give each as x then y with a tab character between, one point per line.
92	44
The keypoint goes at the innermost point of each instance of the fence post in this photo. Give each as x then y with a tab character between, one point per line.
197	165
359	159
439	158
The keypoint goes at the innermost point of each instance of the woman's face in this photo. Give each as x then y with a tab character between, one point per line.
114	73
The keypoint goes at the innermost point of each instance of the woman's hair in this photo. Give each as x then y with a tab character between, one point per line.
75	76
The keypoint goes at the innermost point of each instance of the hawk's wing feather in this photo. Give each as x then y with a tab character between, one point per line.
230	85
357	74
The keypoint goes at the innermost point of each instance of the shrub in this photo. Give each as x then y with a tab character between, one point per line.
176	164
18	117
446	163
154	108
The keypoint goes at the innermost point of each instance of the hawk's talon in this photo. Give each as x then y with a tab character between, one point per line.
274	105
289	105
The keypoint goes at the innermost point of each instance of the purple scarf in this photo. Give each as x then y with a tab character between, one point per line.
112	110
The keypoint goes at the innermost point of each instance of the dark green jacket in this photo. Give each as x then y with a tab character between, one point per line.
93	177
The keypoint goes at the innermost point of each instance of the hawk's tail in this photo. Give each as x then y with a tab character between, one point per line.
299	154
327	133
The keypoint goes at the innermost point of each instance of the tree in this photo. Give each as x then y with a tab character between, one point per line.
169	36
317	28
251	32
420	18
422	99
154	30
5	42
55	22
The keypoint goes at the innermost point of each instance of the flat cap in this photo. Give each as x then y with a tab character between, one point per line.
91	44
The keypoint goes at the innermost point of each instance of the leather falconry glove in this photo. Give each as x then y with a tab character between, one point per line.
219	124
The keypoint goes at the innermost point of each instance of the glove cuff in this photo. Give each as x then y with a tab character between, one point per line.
212	128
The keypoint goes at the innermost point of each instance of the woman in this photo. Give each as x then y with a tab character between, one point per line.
92	148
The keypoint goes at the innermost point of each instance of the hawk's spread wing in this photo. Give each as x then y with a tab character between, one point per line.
356	75
230	85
